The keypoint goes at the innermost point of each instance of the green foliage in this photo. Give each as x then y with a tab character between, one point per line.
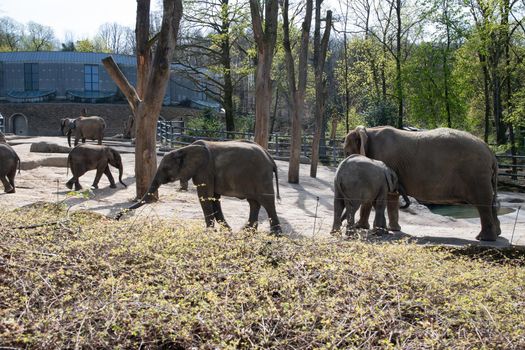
91	282
206	124
381	113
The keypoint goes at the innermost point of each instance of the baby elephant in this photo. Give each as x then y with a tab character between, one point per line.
8	164
87	157
361	180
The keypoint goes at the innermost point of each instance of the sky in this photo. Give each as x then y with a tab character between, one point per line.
79	17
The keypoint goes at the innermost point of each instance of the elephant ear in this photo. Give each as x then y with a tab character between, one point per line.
192	159
363	137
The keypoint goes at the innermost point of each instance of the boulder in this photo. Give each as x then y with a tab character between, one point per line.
47	147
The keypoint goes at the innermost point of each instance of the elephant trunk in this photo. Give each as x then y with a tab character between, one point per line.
149	197
405	197
69	138
120	171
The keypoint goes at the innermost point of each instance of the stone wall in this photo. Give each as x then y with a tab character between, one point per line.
43	119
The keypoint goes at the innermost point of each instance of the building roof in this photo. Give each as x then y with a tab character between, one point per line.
64	57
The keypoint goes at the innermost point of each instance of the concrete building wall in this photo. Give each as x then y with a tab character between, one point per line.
43	119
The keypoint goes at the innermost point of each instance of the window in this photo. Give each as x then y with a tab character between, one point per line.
90	77
30	76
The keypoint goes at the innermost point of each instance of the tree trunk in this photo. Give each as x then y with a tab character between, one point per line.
226	66
446	72
399	80
265	41
486	95
319	62
297	94
152	81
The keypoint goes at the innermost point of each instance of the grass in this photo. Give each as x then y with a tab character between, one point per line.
90	282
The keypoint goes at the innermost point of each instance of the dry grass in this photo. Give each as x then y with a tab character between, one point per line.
89	282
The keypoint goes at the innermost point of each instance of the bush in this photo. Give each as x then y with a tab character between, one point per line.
89	282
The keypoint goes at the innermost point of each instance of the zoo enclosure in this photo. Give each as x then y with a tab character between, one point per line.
172	134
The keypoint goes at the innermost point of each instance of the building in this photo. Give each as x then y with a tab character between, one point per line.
39	88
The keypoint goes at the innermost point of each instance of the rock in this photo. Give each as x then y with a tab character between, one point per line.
46	147
60	162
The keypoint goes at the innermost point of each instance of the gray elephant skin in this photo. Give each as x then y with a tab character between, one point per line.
85	157
361	180
441	166
83	128
9	161
239	169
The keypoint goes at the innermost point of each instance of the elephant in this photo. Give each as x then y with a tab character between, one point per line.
83	128
239	169
8	164
359	180
83	158
441	166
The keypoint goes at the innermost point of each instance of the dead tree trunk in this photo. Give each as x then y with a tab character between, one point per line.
297	94
265	41
319	61
153	71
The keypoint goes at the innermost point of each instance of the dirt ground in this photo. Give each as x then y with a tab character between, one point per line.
305	208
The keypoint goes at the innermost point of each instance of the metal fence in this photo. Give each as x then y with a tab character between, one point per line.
511	169
172	134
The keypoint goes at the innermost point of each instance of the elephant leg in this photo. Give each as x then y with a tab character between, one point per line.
268	202
379	219
78	187
110	177
364	214
7	186
83	140
100	171
100	141
11	177
71	182
339	205
490	228
351	209
253	220
217	211
206	204
392	206
183	185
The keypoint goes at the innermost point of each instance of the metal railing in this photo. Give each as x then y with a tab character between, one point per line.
511	169
172	134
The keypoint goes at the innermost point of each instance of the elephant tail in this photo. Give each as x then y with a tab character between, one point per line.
405	197
276	180
68	163
19	163
494	180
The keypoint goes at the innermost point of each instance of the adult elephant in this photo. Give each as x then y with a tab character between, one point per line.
441	166
239	169
83	128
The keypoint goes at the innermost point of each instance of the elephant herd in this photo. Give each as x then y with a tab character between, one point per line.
441	166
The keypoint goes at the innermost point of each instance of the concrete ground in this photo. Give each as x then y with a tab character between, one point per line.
305	208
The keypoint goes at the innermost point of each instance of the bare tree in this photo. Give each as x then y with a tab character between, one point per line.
39	37
297	93
265	38
115	38
209	50
153	69
320	50
11	34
